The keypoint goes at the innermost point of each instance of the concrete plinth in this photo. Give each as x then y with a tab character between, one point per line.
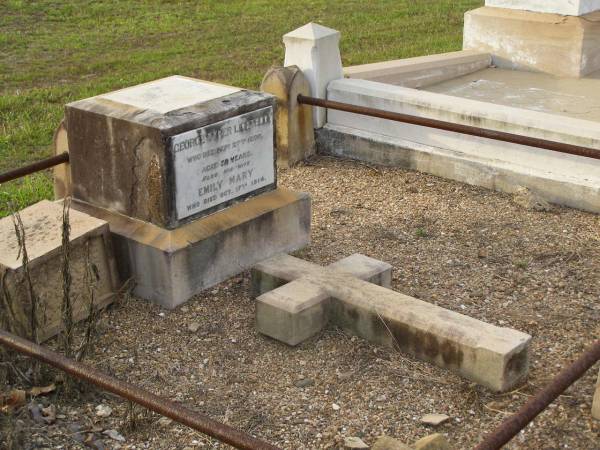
523	40
494	357
89	241
170	266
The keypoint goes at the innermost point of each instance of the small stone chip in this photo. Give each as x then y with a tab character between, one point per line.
103	411
388	443
304	382
433	442
434	419
354	442
194	327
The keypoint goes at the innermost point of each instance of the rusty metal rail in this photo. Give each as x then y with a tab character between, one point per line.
455	127
34	167
168	408
515	423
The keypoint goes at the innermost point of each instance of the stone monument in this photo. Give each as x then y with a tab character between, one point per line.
184	172
553	36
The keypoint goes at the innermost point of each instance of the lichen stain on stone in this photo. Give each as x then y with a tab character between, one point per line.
154	188
517	364
422	344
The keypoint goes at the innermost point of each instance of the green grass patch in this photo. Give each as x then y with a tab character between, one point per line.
55	52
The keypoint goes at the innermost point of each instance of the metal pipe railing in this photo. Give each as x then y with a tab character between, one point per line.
455	127
34	167
160	405
540	401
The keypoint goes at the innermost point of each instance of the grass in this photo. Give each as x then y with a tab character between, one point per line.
54	52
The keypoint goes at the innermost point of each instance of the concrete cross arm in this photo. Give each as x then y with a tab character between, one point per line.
296	299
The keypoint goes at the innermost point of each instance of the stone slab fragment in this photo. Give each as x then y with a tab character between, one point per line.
170	266
559	178
315	50
565	46
294	131
565	7
131	151
43	237
492	356
421	71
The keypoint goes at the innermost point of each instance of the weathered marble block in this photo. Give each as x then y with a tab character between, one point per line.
42	223
172	150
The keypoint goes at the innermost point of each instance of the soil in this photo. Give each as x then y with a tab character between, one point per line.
464	248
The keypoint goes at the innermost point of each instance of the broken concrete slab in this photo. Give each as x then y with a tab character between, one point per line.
494	357
89	241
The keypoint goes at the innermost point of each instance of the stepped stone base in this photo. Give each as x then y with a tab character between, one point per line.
170	266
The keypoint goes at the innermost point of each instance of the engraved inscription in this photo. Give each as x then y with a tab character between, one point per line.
223	161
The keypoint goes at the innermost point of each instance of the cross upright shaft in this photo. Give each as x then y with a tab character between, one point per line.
296	299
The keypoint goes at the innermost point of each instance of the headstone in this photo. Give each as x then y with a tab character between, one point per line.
296	299
89	244
184	171
315	50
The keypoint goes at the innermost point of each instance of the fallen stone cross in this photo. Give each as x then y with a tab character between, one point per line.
296	299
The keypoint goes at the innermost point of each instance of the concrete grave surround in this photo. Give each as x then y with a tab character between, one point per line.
565	46
315	50
565	7
43	237
559	178
296	299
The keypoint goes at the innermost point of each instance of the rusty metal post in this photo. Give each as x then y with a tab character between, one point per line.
515	423
168	408
560	147
34	167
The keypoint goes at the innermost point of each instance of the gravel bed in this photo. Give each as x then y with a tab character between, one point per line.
461	247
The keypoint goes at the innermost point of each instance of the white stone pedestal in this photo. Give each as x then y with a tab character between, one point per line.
549	41
564	7
315	50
